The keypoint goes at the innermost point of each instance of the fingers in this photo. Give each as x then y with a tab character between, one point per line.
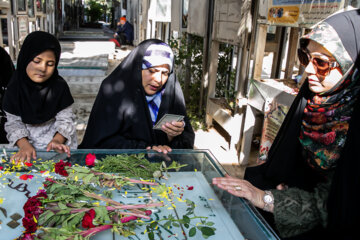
161	149
173	129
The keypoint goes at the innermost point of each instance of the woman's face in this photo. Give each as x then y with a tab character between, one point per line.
42	67
321	83
154	78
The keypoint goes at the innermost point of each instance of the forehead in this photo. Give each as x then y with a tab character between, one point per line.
49	54
315	47
163	68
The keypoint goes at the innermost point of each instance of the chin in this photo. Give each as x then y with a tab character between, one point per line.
316	89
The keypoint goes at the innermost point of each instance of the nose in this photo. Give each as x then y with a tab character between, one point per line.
42	67
158	76
310	68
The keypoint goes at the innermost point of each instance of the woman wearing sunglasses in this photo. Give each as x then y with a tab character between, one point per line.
311	178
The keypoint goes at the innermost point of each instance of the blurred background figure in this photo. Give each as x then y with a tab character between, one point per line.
124	32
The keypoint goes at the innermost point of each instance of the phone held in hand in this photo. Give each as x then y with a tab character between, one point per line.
167	118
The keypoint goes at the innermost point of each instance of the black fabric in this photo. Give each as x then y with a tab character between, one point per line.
349	35
285	163
34	102
120	117
7	69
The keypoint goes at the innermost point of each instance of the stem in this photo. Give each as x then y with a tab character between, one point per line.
95	230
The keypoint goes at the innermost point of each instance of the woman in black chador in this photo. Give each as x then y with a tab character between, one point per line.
311	177
133	98
7	69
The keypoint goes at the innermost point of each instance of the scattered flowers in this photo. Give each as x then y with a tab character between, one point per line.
78	206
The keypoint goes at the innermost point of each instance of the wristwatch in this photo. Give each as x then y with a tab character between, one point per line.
268	200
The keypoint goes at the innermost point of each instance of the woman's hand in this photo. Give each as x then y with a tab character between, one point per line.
241	188
57	144
173	129
25	153
160	148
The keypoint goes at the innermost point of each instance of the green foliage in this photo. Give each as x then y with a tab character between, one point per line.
225	83
94	11
194	51
225	88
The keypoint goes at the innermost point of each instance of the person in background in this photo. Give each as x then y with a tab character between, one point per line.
124	32
38	101
7	69
133	98
311	178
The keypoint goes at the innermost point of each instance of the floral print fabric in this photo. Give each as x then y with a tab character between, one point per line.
326	122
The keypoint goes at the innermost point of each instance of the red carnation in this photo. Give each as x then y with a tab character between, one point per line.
60	168
27	236
128	219
190	188
90	159
29	224
1	168
148	212
87	221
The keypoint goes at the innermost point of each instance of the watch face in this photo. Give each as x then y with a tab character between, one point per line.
268	198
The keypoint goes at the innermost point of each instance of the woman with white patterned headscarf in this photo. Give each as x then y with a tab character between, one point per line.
139	92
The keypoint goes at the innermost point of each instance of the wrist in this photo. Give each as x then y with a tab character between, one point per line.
268	201
23	142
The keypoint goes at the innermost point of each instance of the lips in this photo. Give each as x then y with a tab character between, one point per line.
153	88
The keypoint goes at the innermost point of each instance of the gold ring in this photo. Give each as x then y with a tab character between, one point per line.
238	188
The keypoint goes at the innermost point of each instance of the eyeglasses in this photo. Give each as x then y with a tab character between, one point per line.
322	67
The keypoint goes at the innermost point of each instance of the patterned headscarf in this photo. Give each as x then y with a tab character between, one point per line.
327	115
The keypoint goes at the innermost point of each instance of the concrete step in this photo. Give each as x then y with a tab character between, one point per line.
79	90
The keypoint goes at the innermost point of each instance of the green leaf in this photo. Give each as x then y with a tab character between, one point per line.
186	225
151	235
192	232
167	224
209	224
62	206
175	224
186	219
153	225
207	231
87	179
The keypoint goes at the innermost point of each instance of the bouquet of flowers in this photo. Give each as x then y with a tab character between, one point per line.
79	205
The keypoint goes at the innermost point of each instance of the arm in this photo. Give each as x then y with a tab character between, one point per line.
17	134
295	210
65	126
65	132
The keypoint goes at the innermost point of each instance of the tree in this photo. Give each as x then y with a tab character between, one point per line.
94	11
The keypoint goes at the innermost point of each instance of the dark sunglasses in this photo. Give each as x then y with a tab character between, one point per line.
322	67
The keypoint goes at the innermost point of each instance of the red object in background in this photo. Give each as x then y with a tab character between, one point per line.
28	164
115	41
